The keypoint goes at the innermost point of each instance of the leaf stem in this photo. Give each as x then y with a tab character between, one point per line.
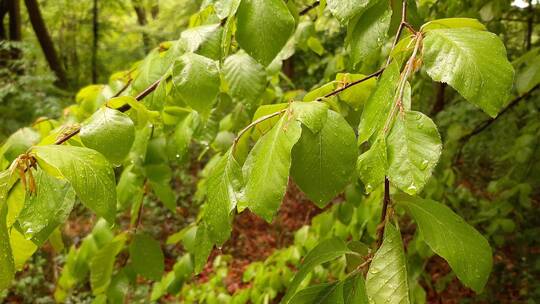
401	86
254	123
403	24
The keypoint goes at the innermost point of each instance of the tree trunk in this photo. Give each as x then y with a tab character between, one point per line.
45	42
440	101
154	11
96	40
14	10
530	26
140	11
3	13
4	55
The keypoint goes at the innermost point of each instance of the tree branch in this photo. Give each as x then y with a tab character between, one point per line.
386	202
402	25
309	8
253	124
335	92
484	125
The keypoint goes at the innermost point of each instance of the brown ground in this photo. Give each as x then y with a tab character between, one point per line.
253	239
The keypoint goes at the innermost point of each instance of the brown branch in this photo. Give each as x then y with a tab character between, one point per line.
253	124
142	95
124	108
335	92
124	88
386	202
309	8
403	24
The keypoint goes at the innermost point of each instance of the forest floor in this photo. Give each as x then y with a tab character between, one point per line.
254	240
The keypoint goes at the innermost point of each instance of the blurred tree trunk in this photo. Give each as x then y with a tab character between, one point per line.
45	42
96	41
140	11
439	103
530	26
3	13
14	10
155	10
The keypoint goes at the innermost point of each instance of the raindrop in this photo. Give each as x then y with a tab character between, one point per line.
369	188
412	188
374	270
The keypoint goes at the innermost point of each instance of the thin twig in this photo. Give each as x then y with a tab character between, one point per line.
402	83
484	125
254	123
142	95
386	202
402	25
124	88
309	8
123	108
335	92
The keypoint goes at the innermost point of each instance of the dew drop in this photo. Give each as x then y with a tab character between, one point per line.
369	188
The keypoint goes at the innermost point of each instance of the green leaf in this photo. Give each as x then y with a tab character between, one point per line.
368	32
414	147
46	209
226	8
153	67
323	162
357	95
196	79
327	293
354	290
102	263
325	251
311	114
264	27
18	143
373	164
204	40
184	134
530	76
165	194
129	188
7	268
109	132
223	188
266	170
320	92
89	173
264	126
245	77
182	271
350	291
473	62
203	249
21	247
118	288
453	23
347	9
449	236
379	104
386	281
146	257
